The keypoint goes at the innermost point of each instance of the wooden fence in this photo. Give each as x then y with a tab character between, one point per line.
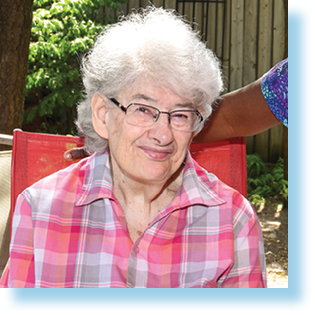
249	36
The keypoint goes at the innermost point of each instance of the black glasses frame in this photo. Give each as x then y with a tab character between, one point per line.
124	109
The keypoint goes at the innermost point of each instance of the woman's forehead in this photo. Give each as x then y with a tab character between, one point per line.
155	95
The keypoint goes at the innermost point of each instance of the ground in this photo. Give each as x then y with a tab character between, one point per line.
274	224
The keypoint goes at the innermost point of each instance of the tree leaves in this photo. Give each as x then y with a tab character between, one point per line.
62	31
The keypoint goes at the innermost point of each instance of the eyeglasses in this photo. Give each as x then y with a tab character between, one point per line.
185	120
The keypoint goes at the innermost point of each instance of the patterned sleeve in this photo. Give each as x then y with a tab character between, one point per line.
249	267
19	272
274	86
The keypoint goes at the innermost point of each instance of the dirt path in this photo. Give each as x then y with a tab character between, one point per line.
274	223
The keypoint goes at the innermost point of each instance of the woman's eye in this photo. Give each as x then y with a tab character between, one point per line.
180	116
143	110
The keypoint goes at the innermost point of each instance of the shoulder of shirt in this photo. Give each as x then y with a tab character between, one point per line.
214	184
211	183
242	210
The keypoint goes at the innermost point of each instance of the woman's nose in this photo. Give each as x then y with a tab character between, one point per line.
161	130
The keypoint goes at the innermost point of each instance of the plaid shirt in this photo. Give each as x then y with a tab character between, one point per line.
69	231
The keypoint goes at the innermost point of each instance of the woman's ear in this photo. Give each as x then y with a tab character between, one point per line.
99	110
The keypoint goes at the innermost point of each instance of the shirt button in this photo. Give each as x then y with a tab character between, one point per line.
137	250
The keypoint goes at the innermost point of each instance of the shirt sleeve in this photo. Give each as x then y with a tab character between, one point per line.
19	272
274	87
249	266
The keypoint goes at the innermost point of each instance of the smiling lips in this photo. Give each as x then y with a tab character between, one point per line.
156	154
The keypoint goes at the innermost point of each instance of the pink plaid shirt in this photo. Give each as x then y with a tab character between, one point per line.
69	231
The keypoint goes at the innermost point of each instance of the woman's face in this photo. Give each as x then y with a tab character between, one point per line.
146	154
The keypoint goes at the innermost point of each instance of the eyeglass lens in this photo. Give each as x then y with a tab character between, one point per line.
143	115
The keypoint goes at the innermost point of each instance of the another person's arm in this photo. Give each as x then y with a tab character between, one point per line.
240	113
252	109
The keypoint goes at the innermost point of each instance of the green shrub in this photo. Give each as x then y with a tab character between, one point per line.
264	181
62	31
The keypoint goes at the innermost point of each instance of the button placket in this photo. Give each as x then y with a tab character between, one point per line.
132	270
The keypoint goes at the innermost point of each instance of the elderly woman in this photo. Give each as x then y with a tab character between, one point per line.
139	212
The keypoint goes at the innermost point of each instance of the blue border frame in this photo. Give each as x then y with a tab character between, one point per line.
205	297
108	299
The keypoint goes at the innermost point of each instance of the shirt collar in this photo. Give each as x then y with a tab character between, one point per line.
197	186
97	180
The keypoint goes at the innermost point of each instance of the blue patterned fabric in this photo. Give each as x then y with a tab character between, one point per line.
274	86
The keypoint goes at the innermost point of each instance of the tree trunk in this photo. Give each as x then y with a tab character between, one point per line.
15	32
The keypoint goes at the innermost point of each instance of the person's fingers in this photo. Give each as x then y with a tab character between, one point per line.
75	154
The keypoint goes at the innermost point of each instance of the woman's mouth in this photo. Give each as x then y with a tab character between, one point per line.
156	153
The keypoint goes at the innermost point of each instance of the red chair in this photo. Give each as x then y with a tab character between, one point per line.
226	159
35	156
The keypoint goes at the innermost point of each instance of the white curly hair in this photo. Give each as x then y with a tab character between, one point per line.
155	43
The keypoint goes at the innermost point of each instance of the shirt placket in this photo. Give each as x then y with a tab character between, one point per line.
138	264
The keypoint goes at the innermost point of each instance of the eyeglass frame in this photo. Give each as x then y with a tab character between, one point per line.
124	109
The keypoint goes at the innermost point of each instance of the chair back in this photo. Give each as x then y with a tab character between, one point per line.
36	155
226	159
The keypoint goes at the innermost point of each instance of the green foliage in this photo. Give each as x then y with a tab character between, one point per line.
263	181
62	31
257	200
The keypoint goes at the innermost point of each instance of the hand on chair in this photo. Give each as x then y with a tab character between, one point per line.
75	154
